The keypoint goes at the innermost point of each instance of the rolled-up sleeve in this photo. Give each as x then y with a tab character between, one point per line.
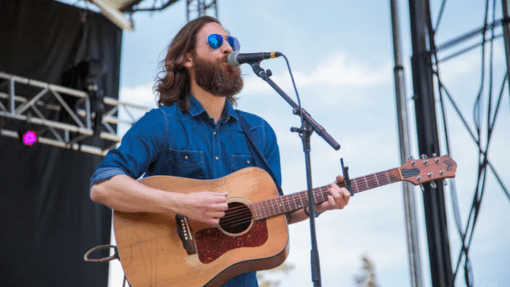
140	146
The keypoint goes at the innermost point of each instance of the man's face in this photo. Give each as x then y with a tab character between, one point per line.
211	70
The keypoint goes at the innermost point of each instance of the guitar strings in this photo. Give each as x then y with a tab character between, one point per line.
243	217
235	216
286	201
267	208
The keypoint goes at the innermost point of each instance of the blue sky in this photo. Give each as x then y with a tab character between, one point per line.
342	60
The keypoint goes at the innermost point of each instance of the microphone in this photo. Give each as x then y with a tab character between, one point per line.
236	59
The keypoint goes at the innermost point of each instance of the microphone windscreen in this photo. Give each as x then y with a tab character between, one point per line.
231	59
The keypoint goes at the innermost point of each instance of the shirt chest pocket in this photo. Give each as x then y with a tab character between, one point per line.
187	163
241	161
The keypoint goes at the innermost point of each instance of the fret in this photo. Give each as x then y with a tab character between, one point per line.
381	180
301	200
295	202
324	196
255	211
276	206
357	185
319	195
381	176
395	175
354	186
262	211
375	176
369	180
286	205
363	188
272	207
387	175
264	205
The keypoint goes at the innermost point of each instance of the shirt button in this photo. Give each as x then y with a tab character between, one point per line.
213	133
217	158
186	157
247	162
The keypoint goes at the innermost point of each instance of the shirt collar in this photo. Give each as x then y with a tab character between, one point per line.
197	109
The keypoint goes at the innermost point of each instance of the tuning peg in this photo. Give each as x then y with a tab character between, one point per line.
423	156
422	187
434	155
445	183
433	184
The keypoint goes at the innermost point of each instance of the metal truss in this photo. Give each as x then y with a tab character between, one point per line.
489	95
157	5
34	110
197	8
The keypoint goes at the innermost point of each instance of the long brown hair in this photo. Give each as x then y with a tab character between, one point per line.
174	86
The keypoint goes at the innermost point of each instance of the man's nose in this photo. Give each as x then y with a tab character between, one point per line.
226	48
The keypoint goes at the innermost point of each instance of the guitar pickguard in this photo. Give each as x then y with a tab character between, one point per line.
212	242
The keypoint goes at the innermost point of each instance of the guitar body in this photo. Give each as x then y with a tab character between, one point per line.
152	252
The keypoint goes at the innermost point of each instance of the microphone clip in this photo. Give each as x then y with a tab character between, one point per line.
259	71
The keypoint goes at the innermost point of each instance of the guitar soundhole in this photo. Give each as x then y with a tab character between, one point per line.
237	218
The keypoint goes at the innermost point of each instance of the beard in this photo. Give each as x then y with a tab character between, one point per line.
217	78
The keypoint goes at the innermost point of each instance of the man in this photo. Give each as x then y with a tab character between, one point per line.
195	133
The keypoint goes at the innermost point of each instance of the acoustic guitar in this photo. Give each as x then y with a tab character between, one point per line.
170	250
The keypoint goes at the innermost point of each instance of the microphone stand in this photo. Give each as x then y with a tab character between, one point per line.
309	125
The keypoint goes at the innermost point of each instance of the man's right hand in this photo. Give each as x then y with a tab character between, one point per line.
206	207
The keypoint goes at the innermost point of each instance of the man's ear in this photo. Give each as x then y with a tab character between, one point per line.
188	60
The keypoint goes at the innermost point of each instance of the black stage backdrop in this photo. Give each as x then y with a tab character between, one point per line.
47	221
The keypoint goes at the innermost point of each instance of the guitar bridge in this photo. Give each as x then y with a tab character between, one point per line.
185	233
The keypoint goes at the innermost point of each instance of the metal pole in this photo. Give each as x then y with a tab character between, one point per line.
428	143
12	101
506	32
413	242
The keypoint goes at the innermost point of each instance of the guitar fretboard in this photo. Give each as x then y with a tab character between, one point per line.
298	200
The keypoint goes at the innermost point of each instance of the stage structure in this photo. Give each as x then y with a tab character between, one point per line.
410	213
59	78
429	60
194	8
31	109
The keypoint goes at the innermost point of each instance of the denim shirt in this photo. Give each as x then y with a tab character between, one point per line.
167	141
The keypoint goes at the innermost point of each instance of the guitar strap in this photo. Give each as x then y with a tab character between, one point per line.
258	157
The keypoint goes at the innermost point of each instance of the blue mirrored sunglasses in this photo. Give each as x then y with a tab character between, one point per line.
215	41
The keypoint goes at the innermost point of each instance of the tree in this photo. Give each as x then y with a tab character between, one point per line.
367	276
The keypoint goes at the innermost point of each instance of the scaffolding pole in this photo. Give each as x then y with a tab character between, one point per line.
413	242
428	143
506	33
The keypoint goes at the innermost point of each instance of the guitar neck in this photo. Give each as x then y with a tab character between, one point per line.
288	203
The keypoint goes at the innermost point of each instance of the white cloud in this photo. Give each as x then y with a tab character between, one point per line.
337	70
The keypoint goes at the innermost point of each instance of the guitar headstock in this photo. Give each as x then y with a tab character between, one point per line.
418	171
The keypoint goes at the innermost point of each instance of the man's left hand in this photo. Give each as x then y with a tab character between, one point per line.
338	198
